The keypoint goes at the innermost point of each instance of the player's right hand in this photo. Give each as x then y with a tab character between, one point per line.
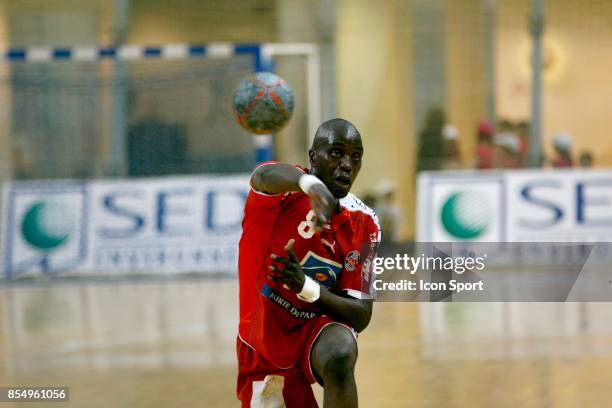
323	203
288	270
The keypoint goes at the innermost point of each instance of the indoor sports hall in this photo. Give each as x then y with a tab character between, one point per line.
126	155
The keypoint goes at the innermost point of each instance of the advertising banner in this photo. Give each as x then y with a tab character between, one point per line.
515	206
161	225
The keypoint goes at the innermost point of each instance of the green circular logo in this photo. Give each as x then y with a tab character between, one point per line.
466	215
47	225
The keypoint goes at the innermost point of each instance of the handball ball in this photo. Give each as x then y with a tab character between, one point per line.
262	103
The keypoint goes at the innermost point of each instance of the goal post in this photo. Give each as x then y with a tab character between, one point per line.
80	105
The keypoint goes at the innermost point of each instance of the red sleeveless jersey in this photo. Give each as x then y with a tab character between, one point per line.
271	316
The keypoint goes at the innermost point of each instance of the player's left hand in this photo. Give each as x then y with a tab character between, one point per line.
289	271
323	204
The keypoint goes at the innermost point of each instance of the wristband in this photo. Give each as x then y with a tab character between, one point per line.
310	291
306	181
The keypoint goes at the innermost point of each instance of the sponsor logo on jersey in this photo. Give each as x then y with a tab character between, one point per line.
352	260
331	244
323	270
293	310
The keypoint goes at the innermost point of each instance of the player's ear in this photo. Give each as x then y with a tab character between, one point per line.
311	156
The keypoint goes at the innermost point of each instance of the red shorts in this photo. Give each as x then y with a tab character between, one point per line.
260	383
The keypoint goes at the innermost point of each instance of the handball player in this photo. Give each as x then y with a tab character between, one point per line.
303	276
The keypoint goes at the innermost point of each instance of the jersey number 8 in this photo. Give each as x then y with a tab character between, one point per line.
306	229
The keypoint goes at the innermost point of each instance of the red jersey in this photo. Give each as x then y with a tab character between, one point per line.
485	156
562	161
271	316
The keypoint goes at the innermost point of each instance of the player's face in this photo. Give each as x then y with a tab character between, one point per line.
338	162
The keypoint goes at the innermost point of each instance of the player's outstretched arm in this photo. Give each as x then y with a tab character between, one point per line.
279	178
354	312
276	178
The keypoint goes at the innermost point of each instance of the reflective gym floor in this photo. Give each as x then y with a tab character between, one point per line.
162	344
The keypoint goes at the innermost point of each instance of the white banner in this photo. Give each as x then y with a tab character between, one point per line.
515	206
178	224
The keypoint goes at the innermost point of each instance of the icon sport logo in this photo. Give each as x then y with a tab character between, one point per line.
466	215
44	228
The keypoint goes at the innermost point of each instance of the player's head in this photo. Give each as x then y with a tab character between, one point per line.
335	155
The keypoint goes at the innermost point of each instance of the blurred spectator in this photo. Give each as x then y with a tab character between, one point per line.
388	212
430	141
586	160
451	156
562	143
155	147
504	125
509	150
485	150
522	129
23	168
369	199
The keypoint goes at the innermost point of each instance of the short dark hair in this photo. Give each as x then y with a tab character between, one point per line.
337	126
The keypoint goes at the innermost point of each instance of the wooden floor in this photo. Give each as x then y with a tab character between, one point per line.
161	344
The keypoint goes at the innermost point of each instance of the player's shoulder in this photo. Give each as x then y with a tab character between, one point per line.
354	205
